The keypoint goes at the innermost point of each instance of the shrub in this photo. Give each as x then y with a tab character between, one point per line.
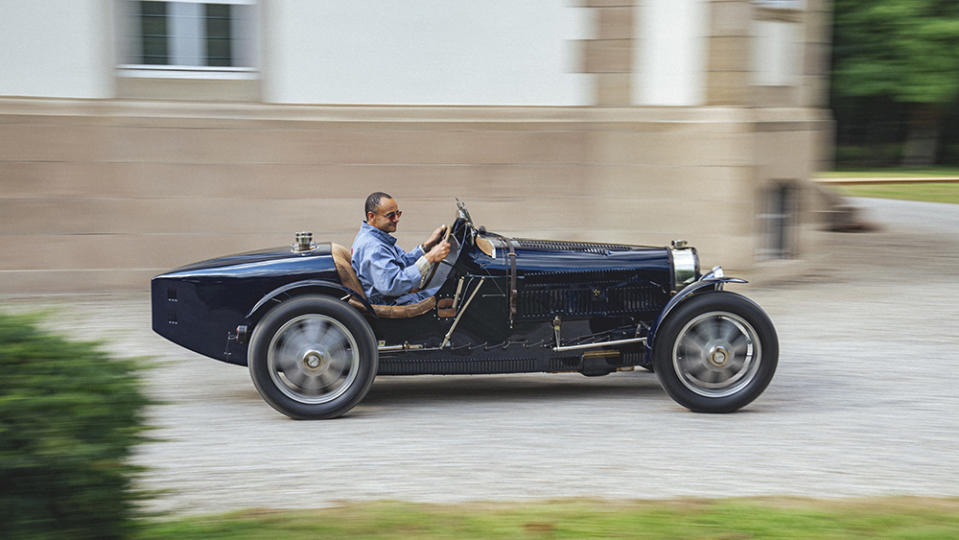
69	419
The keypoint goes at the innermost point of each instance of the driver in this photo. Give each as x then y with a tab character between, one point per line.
389	275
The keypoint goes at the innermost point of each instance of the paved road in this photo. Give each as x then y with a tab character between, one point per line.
866	402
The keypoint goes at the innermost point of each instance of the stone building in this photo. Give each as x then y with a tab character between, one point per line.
139	136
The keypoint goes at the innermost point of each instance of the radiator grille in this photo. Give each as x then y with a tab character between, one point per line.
539	302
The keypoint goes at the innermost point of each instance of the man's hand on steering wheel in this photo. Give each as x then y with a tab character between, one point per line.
435	238
438	252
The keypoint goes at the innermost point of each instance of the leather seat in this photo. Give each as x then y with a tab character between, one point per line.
344	268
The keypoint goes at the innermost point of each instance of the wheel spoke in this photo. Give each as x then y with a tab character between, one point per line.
697	369
736	364
296	376
314	382
332	340
731	332
286	356
717	328
714	376
699	334
695	339
340	360
740	347
692	350
327	379
313	331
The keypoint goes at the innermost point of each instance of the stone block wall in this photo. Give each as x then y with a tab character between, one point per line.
102	195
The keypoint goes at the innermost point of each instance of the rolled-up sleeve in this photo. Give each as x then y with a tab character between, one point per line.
391	279
412	256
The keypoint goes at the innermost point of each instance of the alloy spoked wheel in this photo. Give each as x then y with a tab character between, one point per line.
312	357
716	352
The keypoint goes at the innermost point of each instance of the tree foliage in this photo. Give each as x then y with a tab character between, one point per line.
69	419
907	50
895	80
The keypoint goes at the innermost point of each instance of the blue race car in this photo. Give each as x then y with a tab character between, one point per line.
298	318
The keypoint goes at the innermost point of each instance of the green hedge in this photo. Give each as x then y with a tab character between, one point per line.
70	416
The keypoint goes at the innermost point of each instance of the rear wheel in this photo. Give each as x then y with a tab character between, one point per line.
716	353
313	357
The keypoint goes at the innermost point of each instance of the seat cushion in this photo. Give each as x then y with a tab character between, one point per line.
406	311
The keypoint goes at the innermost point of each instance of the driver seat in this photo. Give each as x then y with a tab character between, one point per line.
344	268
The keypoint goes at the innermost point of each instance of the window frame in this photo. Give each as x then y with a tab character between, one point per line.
128	47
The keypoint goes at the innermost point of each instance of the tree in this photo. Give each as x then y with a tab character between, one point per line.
903	50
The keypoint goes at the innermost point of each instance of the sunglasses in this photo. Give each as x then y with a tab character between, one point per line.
395	214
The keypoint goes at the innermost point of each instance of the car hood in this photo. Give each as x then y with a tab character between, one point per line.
562	257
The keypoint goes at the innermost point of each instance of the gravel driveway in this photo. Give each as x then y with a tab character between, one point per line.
865	402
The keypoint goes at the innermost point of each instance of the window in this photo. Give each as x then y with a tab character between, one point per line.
153	33
189	36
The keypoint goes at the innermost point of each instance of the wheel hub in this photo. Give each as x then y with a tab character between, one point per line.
315	360
718	356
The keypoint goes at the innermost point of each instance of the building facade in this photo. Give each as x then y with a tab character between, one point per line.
138	136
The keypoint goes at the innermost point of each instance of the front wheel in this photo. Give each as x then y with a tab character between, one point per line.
716	353
313	357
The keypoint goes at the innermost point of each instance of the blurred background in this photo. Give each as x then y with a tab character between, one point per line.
136	136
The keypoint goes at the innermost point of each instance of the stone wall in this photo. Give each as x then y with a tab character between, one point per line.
99	195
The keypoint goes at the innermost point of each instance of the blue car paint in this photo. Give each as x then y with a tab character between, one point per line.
199	306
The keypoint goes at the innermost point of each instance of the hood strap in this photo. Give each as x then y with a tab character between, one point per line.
512	282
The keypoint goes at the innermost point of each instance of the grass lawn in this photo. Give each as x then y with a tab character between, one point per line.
944	192
735	518
892	173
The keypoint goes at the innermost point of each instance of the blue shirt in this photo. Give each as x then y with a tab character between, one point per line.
386	272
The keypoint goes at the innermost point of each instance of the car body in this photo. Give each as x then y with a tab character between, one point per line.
298	318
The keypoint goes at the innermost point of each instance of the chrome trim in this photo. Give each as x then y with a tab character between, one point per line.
459	289
446	338
403	347
599	344
685	266
303	241
716	273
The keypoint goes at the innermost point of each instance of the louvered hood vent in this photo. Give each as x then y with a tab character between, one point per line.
558	245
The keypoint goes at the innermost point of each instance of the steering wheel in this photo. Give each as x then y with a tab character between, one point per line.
435	266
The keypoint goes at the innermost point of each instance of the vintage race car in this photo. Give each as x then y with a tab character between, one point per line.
298	318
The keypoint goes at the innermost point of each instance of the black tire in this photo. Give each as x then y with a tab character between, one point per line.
716	352
313	357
